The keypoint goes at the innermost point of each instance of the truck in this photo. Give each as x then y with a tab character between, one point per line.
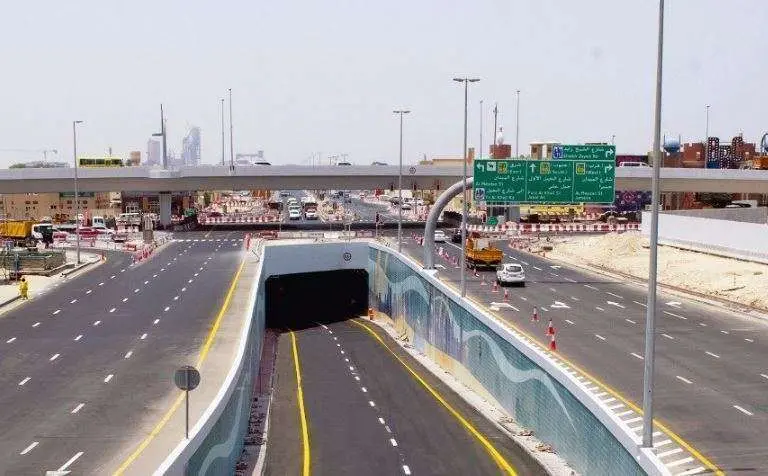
481	253
16	229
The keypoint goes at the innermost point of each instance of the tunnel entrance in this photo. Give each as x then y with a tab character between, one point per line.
298	301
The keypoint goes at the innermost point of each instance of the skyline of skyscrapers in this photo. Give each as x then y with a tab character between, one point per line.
190	147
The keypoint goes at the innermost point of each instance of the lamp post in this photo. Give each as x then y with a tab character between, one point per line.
480	152
222	133
517	125
401	112
464	210
231	138
77	190
650	315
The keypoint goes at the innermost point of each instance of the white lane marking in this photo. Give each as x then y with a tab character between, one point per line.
56	311
674	304
640	304
96	323
725	332
676	315
536	267
633	420
136	290
71	460
73	301
54	357
575	298
143	336
591	287
748	340
190	281
162	269
23	382
570	322
29	448
335	338
342	352
156	322
166	309
112	277
523	298
524	262
743	410
365	390
614	295
351	369
370	402
702	324
108	378
122	270
599	337
668	336
112	310
625	413
393	441
553	290
125	299
764	376
612	303
128	354
609	400
638	356
679	462
560	305
569	279
183	289
381	420
683	379
661	443
10	340
599	308
197	274
35	324
554	274
154	275
146	282
175	298
601	394
406	469
78	408
89	291
630	321
712	355
357	378
670	452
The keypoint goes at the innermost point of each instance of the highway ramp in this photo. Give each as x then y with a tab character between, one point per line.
86	366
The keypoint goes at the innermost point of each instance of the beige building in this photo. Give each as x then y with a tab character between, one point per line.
58	206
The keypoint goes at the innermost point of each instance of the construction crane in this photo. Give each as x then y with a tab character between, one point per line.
36	151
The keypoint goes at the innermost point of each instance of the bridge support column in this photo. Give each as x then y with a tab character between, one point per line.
165	209
434	213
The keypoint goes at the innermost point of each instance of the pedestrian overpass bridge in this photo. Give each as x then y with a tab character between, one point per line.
296	177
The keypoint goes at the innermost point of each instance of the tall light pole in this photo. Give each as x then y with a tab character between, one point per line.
650	314
517	125
464	211
401	112
77	190
706	140
480	152
223	147
231	137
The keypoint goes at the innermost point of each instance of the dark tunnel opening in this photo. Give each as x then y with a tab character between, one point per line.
298	301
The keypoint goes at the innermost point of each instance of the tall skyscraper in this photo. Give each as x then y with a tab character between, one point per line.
154	152
190	147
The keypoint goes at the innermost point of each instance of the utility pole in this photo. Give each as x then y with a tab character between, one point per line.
495	123
706	140
231	137
480	152
517	126
400	112
223	147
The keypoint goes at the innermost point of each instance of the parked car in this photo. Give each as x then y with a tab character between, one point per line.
456	236
311	214
440	236
510	273
406	206
294	214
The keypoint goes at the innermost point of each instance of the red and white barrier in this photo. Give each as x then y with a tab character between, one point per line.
555	228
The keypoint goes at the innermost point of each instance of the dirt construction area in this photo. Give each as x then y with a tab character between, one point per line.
739	281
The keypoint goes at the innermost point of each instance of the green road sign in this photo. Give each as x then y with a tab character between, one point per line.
584	152
544	181
492	221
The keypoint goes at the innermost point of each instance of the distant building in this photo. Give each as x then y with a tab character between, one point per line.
39	164
134	158
154	152
190	147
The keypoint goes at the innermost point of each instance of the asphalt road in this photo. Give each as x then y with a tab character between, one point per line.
367	415
80	365
711	366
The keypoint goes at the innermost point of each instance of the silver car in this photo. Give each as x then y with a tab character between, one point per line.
510	273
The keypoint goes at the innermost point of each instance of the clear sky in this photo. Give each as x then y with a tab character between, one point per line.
324	76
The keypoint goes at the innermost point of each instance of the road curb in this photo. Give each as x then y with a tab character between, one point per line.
78	268
9	301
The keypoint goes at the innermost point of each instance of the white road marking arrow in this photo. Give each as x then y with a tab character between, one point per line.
614	304
499	305
560	305
673	304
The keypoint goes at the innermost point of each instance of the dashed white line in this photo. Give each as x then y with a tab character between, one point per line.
625	413
23	382
393	442
406	469
35	324
29	448
633	420
599	337
671	452
381	420
96	323
371	403
630	321
591	287
183	289
68	463
73	301
668	336
162	269
676	315
614	295
166	309
364	390
143	336
725	332
599	308
569	279
112	277
190	281
536	267
56	311
136	290
640	304
146	282
638	356
78	408
154	275
712	355
125	299
108	378
743	410
54	357
683	379
196	274
155	322
764	376
575	298
748	340
175	298
128	354
112	310
570	322
89	291
613	303
661	443
10	340
702	324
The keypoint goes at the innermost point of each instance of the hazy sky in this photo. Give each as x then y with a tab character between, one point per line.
324	76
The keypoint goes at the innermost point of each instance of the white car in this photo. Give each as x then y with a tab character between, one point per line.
440	237
310	214
510	273
294	214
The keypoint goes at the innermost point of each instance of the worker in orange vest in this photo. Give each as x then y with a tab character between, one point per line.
24	289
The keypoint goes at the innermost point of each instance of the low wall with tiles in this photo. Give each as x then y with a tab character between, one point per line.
501	366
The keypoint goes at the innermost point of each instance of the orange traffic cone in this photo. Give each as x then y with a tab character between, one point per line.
482	281
506	294
495	287
550	328
535	315
553	343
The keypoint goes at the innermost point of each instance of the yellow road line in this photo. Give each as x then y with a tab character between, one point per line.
677	438
302	411
176	403
497	457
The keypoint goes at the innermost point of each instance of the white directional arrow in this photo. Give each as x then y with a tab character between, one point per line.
495	306
439	266
57	473
673	304
615	304
560	305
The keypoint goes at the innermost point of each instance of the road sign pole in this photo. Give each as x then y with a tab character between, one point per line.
186	420
650	316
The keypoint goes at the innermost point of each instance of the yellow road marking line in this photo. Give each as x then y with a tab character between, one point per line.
176	403
492	451
302	411
677	438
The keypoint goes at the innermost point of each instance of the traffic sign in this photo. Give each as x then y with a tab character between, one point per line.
584	152
187	378
544	181
492	221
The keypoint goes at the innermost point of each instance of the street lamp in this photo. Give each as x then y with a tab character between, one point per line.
517	125
464	210
400	184
231	137
650	315
222	132
77	191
